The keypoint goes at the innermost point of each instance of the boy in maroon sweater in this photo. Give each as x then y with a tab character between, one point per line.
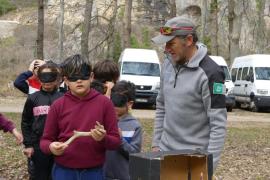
80	109
8	126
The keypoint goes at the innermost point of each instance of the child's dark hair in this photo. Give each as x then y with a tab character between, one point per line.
52	66
74	64
125	87
119	100
98	86
106	70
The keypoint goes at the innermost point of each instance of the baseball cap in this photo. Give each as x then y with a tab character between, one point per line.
177	26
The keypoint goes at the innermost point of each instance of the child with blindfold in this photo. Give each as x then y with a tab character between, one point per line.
80	109
117	162
34	116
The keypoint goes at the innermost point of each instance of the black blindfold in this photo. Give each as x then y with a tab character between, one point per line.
47	77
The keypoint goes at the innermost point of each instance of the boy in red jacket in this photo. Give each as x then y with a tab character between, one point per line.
80	109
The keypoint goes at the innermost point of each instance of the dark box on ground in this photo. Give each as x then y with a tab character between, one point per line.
171	165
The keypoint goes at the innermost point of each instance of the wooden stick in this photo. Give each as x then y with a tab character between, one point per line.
76	135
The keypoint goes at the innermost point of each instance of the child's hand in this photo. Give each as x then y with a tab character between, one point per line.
57	148
120	132
109	85
28	152
99	132
18	136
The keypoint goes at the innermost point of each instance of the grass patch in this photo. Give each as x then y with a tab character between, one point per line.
245	155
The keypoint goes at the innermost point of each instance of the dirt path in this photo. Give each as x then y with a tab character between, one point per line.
11	104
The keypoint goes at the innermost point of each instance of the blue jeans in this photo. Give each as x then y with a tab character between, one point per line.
62	173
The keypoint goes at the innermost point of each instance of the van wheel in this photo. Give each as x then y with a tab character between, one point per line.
237	104
253	107
229	109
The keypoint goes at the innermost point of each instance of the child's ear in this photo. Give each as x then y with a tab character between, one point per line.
130	104
92	76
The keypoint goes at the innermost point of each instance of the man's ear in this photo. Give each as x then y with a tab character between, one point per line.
189	40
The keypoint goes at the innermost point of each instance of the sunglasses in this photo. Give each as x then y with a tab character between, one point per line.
170	30
77	77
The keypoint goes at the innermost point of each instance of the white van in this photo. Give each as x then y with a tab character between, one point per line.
230	100
142	67
251	77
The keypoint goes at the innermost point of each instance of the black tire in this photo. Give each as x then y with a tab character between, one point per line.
237	104
253	107
229	109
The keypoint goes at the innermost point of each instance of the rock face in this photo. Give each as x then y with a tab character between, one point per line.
7	28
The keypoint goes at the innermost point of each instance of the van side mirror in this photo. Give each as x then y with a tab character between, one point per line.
252	79
233	78
248	78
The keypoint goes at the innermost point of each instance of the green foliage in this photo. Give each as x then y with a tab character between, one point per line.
117	46
146	39
121	12
6	6
6	42
134	43
259	5
213	6
207	41
145	43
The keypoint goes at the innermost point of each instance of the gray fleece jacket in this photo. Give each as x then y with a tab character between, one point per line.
191	111
116	166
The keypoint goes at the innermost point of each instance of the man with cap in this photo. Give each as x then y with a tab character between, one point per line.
190	108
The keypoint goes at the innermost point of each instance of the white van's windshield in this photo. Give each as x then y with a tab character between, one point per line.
141	69
227	74
262	73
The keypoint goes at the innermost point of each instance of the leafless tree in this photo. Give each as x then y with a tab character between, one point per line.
235	12
61	30
86	28
127	24
214	26
40	32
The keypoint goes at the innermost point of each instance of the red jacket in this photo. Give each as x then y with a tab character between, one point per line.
70	113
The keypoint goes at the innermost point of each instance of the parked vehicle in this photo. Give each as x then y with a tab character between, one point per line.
230	99
251	77
142	67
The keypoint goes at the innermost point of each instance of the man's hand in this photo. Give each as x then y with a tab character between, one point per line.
18	136
155	149
57	148
99	132
28	152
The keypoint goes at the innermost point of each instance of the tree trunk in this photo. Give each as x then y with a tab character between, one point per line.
86	28
203	19
235	13
172	6
214	26
112	30
40	33
260	37
61	30
127	24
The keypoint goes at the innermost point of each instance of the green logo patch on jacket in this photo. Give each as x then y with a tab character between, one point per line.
219	88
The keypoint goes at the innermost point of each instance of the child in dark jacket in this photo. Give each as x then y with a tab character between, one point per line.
81	109
117	162
34	116
7	126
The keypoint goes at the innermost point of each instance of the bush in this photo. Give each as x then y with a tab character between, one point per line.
6	6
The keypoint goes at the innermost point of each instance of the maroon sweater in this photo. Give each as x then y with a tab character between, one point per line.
5	124
70	113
